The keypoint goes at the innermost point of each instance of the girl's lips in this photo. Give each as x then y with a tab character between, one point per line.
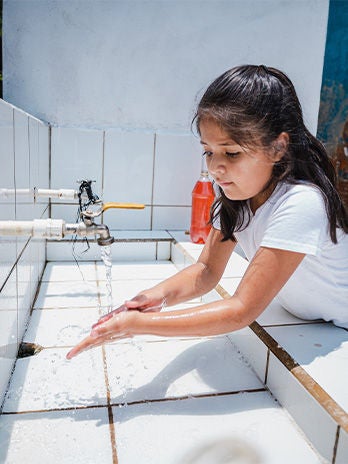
225	184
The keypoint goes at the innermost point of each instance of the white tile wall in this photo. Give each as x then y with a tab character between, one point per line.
322	349
317	424
342	448
253	350
157	170
8	331
177	168
128	166
22	168
129	219
44	157
7	205
6	136
76	154
24	157
171	217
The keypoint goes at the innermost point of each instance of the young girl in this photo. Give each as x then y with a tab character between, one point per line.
276	197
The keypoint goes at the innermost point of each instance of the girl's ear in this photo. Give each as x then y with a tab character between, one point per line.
280	146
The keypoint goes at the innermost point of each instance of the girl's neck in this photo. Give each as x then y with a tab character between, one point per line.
259	199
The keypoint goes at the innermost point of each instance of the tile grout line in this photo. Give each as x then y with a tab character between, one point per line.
18	257
136	402
267	364
293	324
110	413
187	397
334	454
106	379
40	411
153	178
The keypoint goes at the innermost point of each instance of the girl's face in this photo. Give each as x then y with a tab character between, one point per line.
242	173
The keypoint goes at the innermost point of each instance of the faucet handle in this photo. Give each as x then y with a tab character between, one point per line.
110	205
92	213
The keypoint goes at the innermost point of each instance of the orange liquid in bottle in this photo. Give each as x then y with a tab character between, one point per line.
202	199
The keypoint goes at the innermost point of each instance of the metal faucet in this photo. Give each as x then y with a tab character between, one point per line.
88	227
90	207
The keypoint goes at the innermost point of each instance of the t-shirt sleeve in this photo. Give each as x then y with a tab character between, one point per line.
299	223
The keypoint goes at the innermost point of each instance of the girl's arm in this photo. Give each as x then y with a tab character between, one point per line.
193	281
265	276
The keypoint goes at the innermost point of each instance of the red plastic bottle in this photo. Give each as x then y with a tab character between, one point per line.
202	199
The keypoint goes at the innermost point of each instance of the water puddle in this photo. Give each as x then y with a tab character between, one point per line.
71	334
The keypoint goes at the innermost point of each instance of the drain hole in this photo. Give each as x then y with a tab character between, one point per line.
28	349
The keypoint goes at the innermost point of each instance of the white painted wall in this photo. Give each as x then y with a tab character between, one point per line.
24	159
141	63
118	81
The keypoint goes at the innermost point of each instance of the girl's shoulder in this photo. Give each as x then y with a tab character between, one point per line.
302	198
300	191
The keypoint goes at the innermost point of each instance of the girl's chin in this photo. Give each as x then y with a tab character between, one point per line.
234	197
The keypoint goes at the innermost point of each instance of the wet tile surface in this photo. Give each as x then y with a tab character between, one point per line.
249	427
60	327
56	437
48	381
178	397
176	368
67	294
68	271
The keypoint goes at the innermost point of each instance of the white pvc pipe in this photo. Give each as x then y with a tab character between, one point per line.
39	228
18	192
64	194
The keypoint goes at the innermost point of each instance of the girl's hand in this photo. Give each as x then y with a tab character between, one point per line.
144	302
140	302
117	326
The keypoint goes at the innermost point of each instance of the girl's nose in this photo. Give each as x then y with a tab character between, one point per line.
216	165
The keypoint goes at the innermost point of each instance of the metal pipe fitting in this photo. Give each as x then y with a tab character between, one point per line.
83	229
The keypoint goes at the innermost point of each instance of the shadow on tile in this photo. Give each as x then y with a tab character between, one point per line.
177	369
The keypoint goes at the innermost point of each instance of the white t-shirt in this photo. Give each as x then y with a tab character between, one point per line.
294	218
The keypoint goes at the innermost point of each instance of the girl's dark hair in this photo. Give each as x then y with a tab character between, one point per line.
254	105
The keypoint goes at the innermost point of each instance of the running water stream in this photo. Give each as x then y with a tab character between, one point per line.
106	257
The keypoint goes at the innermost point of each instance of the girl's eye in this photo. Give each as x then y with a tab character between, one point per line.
232	155
208	154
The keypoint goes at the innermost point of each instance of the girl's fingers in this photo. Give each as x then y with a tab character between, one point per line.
102	320
92	341
85	344
109	315
100	334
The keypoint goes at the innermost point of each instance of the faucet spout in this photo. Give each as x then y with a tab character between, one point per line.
104	235
88	228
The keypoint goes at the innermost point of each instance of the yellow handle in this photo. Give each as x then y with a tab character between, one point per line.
122	205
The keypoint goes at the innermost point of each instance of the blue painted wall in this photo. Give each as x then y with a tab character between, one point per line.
334	93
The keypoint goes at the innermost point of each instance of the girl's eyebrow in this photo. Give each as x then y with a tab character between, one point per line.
223	144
